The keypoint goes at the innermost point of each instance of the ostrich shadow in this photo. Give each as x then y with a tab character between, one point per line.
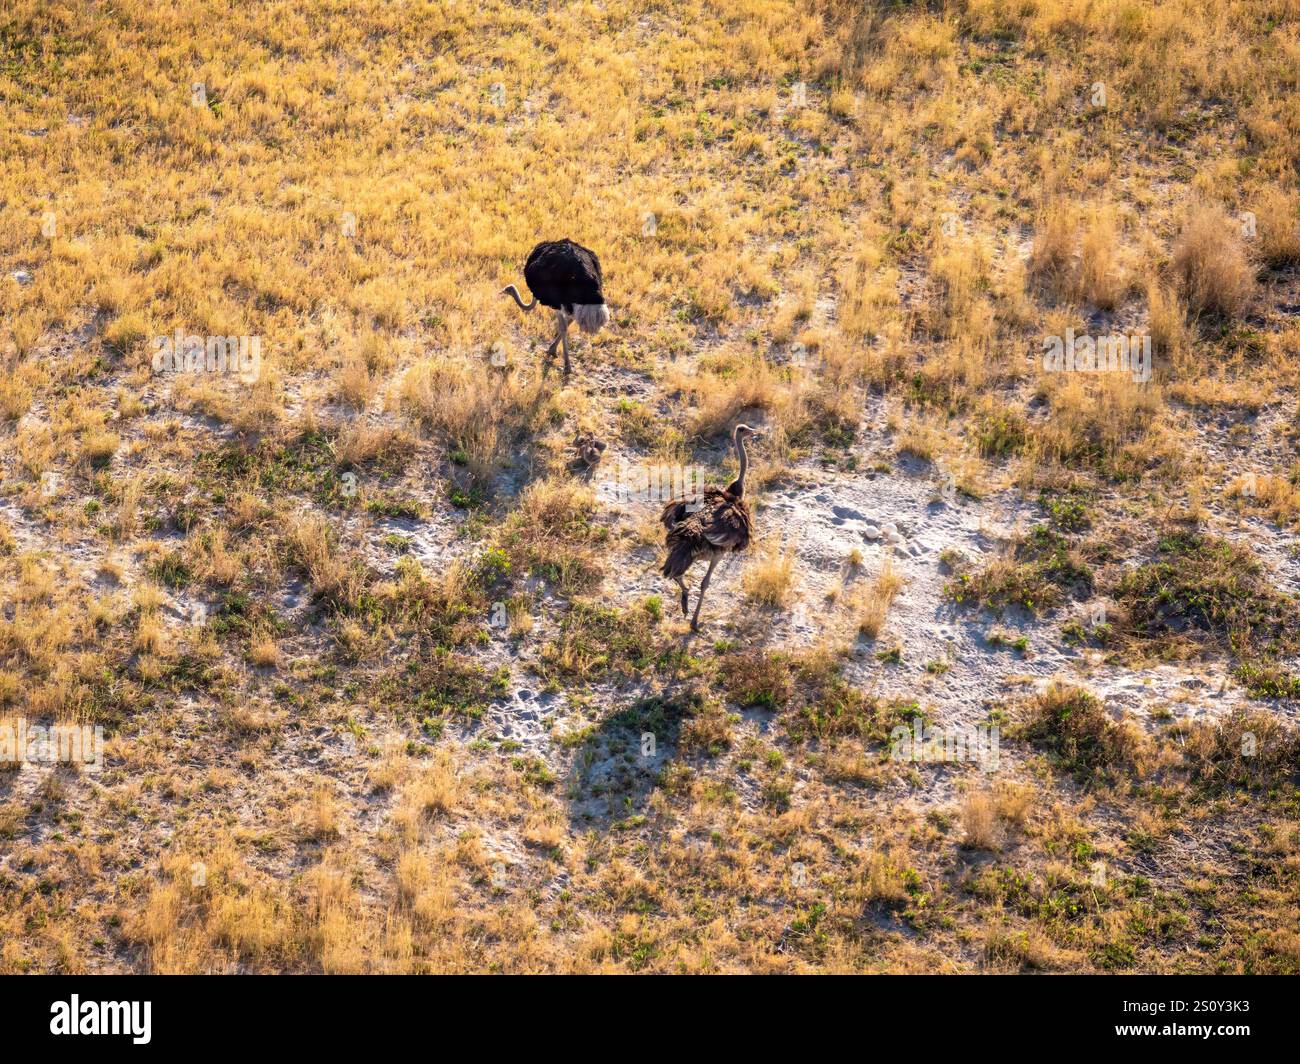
624	759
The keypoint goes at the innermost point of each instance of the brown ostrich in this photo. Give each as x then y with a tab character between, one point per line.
716	525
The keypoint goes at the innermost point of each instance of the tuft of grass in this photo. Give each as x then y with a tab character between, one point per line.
1277	216
596	640
483	423
871	600
16	393
1248	748
1200	584
336	578
769	580
1210	263
1042	570
551	535
1071	725
757	678
1104	423
980	822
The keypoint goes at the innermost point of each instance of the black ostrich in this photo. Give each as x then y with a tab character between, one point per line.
564	276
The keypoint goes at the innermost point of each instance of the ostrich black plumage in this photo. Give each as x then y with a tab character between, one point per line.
564	276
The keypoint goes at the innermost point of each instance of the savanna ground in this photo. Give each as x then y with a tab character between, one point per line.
376	663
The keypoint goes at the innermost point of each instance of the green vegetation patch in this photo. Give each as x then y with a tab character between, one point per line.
1042	572
596	640
1073	727
1199	583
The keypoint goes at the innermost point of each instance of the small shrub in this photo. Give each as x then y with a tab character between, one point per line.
1071	725
1210	264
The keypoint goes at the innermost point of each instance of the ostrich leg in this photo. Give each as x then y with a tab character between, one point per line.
704	586
559	331
564	341
686	597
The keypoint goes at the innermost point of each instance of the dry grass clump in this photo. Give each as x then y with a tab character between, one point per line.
263	652
923	435
1277	219
1072	725
478	409
359	443
979	820
1167	324
1052	258
1211	265
769	579
209	911
959	284
216	562
1107	422
1103	277
1006	950
881	878
1079	256
433	792
870	290
552	533
15	392
871	600
757	678
126	521
709	730
1249	748
728	386
313	544
97	448
989	814
1277	495
318	816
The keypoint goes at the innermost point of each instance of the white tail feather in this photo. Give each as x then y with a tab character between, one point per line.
591	317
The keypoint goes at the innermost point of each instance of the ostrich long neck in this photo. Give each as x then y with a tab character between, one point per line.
511	290
737	487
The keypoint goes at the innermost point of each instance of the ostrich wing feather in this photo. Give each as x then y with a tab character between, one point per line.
721	521
730	527
562	274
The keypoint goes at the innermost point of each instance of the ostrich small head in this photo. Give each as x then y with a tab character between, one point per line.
744	432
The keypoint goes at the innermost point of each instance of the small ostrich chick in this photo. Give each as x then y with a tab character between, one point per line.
589	448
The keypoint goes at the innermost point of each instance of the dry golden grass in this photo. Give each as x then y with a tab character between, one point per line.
871	600
812	214
769	579
1104	418
1277	215
263	652
1051	261
979	818
1210	263
313	545
1277	495
470	406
